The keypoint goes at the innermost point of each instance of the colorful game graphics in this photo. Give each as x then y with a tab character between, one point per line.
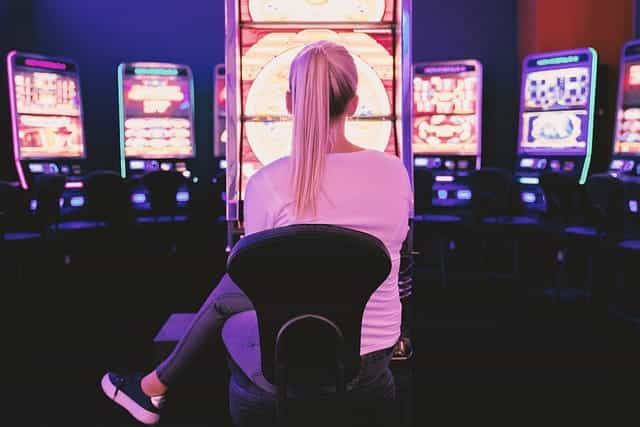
555	114
447	97
157	112
627	137
48	115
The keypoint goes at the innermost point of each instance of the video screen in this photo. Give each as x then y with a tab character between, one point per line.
317	11
555	117
627	137
157	113
220	106
266	58
446	115
49	119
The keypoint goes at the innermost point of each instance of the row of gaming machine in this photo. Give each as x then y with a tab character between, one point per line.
556	122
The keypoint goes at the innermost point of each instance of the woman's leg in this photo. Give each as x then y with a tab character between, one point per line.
223	302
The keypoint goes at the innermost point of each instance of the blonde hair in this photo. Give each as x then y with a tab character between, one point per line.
322	81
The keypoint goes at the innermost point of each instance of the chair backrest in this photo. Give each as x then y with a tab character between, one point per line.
606	203
493	191
300	270
108	197
561	193
48	190
162	187
423	179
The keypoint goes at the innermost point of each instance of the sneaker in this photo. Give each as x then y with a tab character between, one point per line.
127	392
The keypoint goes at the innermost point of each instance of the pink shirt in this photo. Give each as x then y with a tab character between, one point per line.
366	191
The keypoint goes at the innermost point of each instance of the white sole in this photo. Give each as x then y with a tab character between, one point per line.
138	412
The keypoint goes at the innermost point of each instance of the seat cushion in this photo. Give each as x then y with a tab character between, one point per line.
242	340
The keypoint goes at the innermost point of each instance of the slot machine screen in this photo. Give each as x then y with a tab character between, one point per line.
627	136
267	57
156	111
447	99
220	108
46	108
557	104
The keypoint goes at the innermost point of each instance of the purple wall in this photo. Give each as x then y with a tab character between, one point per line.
99	35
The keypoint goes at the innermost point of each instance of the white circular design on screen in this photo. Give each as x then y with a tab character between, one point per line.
271	140
317	10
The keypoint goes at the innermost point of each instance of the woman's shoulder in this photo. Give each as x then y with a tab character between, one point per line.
384	160
270	171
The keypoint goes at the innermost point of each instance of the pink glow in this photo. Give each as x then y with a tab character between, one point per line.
14	121
45	64
74	184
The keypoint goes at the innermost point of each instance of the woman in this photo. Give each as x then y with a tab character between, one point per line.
327	179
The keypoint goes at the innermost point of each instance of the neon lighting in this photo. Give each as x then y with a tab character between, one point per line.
123	168
634	75
222	164
74	184
33	205
529	197
186	173
526	163
317	10
41	63
14	120
421	162
444	178
592	112
633	206
182	196
558	60
136	165
77	201
442	194
139	198
165	166
155	71
445	69
464	194
529	180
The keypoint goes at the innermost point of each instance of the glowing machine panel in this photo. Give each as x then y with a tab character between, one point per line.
46	114
447	102
627	130
219	111
264	36
156	111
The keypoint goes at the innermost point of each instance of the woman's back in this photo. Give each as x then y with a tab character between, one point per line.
363	190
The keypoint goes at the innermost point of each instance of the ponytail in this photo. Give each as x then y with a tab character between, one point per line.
323	80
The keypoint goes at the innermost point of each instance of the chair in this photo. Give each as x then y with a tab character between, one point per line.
108	198
48	190
309	285
494	211
162	187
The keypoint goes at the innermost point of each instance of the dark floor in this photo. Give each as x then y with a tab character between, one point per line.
488	350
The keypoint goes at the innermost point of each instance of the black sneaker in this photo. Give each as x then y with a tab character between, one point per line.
126	392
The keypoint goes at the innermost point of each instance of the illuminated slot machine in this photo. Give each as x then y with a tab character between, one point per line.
625	161
46	117
557	107
220	118
263	37
447	127
156	124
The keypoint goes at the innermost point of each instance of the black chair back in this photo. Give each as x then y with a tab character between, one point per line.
606	202
321	270
48	190
493	190
108	198
162	187
561	193
423	179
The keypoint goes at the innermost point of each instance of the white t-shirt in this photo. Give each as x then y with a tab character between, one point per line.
368	191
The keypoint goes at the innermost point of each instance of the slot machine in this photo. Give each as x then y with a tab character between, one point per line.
625	162
263	37
47	123
447	128
156	124
557	113
219	112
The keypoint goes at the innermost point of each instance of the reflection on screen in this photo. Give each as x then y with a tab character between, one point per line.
556	104
628	117
266	63
446	119
157	116
317	10
49	115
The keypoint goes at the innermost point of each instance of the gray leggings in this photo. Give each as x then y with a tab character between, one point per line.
226	300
